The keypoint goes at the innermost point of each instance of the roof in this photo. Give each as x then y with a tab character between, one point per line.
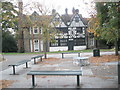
66	18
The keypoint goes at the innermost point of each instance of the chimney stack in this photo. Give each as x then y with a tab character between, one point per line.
73	10
77	11
66	11
53	11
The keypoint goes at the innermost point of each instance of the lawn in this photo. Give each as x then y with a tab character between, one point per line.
88	50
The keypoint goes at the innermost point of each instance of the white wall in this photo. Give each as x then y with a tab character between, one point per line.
65	48
79	47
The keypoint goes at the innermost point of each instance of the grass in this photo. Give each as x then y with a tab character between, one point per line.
88	50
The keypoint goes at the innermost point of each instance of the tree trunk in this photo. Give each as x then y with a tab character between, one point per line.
87	40
45	49
20	41
116	47
0	40
32	39
20	31
39	41
46	43
45	55
96	43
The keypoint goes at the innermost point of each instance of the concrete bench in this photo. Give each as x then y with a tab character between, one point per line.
70	53
82	60
61	73
18	64
36	57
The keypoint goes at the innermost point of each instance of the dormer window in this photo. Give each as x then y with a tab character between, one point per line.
57	19
76	19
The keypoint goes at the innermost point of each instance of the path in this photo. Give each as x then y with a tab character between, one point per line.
15	58
92	77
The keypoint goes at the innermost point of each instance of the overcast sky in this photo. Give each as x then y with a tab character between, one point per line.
61	5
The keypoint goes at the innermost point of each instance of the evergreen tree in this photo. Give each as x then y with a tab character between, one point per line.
108	16
8	42
9	16
9	21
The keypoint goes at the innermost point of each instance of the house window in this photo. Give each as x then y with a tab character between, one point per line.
63	42
77	19
57	19
79	41
54	44
79	30
91	41
83	30
35	30
59	42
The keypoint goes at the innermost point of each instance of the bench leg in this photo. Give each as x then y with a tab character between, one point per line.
41	58
62	55
13	70
26	65
34	61
33	81
78	80
78	54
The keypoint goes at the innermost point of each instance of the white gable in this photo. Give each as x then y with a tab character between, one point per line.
76	21
58	22
77	24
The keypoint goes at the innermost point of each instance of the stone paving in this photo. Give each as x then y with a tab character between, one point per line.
104	76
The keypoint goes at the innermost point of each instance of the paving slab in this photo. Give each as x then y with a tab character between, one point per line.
93	76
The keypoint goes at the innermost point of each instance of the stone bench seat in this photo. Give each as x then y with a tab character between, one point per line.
61	73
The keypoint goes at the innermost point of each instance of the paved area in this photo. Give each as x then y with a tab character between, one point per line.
15	58
103	76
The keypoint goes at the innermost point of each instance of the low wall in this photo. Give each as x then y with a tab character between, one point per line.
65	48
79	47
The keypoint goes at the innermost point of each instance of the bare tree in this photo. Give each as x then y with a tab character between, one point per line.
44	20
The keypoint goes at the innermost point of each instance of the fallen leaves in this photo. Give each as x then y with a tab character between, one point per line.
1	59
5	83
48	60
103	77
51	59
104	58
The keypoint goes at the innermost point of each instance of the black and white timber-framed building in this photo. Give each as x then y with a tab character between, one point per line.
73	31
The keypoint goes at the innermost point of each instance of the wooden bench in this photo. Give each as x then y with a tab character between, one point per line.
62	73
19	63
70	53
36	57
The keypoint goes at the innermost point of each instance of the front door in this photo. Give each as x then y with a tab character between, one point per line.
36	45
72	35
71	45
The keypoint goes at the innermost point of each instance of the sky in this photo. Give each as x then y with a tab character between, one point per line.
61	5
